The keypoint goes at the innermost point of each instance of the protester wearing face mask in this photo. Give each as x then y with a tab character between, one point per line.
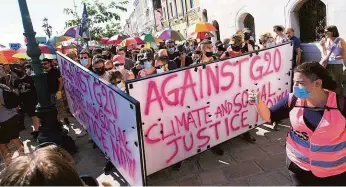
315	144
267	40
173	55
146	58
171	64
219	49
207	52
98	66
249	41
161	64
235	48
171	49
85	59
196	57
121	57
117	79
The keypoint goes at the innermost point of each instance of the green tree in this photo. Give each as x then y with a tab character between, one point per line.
103	18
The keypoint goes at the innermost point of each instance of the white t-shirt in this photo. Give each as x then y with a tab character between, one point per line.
281	39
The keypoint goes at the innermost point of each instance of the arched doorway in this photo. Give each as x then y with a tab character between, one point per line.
246	20
309	18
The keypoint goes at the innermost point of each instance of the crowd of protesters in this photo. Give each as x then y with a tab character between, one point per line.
118	64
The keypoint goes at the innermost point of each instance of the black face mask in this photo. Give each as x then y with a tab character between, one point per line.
20	74
100	71
209	54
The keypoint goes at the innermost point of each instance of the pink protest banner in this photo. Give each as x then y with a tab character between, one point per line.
188	111
111	118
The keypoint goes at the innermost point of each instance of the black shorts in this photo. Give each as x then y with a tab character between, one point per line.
29	108
9	130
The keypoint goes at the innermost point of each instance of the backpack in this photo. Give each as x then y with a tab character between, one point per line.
10	97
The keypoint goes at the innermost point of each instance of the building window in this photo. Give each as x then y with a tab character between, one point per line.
176	8
191	3
182	7
171	6
312	19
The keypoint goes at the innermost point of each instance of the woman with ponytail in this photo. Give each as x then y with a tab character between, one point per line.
316	143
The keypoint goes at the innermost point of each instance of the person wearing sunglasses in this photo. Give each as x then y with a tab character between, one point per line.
99	68
48	165
108	65
146	59
121	57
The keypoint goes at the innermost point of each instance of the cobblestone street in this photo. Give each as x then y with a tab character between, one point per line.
262	163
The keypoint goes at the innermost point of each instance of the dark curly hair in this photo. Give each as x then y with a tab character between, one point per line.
315	71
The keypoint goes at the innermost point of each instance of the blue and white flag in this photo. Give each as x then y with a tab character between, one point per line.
83	28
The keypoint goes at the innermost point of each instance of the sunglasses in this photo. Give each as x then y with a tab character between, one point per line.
116	65
84	57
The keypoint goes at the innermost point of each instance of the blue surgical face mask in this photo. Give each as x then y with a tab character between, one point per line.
192	48
147	64
270	44
84	62
301	92
171	50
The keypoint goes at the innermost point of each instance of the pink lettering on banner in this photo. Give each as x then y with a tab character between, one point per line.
189	111
96	106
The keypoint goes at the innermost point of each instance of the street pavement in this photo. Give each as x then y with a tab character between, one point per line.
261	163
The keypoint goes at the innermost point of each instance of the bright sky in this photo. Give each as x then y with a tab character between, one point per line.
11	30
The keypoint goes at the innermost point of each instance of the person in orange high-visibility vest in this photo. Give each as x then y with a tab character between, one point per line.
316	142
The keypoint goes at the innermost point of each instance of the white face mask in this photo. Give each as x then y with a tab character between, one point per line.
120	86
84	61
159	70
120	68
